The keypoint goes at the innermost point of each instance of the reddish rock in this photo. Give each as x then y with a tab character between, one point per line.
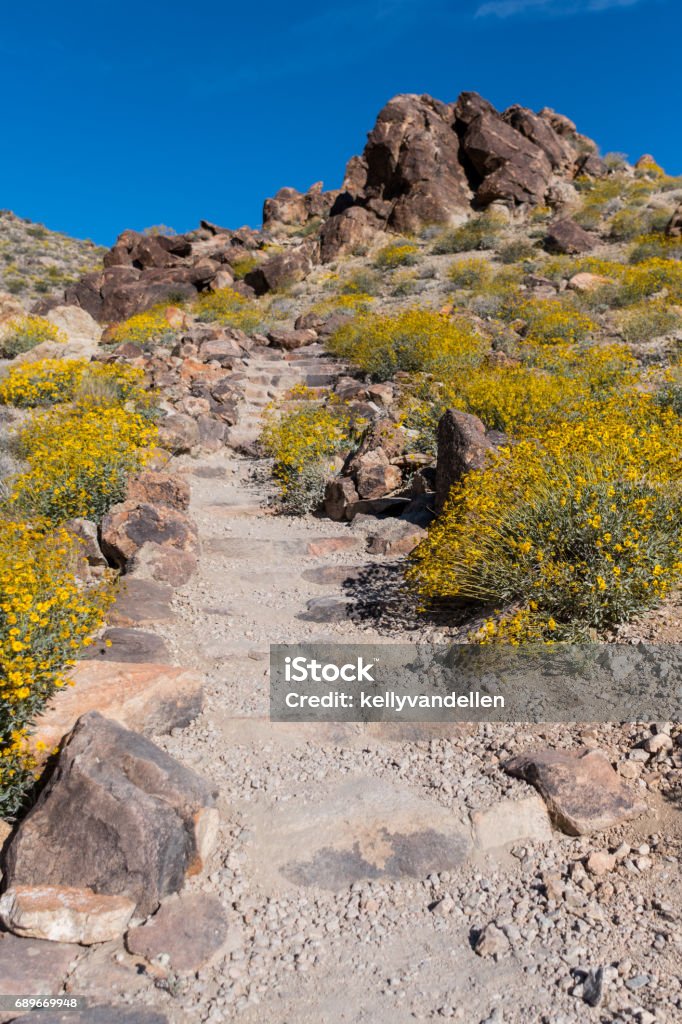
394	537
283	270
152	698
154	487
127	527
33	967
141	602
290	340
179	433
331	546
348	233
462	446
375	476
582	791
118	816
338	495
221	350
164	563
567	237
64	914
190	929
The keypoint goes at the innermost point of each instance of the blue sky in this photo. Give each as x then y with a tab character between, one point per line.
138	113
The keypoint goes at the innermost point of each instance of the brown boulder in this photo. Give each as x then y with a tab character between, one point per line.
413	163
177	432
509	165
348	233
127	527
118	816
538	130
282	270
290	340
290	209
154	487
567	237
338	495
374	475
462	446
394	537
582	791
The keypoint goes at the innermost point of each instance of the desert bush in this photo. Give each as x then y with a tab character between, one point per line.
518	250
229	308
51	381
78	460
397	254
302	443
413	340
46	618
655	244
474	273
627	224
146	329
578	532
25	332
549	321
363	281
243	266
481	232
646	320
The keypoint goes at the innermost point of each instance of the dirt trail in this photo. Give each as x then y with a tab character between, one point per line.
349	857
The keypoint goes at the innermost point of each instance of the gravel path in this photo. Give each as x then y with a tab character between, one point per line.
304	808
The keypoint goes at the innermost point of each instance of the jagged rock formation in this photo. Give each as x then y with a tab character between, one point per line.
425	162
428	162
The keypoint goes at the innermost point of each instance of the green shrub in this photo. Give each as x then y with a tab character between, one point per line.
397	254
647	320
481	232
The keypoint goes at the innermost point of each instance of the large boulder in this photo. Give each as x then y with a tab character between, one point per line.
118	816
132	524
347	233
462	446
413	164
566	237
282	270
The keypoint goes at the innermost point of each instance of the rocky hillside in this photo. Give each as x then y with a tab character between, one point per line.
425	163
36	263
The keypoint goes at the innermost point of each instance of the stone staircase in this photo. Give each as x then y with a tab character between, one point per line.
269	375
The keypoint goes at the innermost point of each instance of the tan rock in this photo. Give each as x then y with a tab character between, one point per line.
600	862
159	488
64	914
586	282
10	307
149	698
330	545
511	821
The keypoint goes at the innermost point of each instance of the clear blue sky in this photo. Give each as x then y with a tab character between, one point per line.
129	114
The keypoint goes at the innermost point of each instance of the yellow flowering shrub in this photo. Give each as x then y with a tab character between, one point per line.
398	254
579	531
471	273
51	381
352	300
651	318
549	321
46	617
78	460
228	307
149	328
413	340
302	442
23	333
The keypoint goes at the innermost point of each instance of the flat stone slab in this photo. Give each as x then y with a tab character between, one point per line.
124	644
33	966
358	830
149	698
582	791
511	821
190	929
327	609
141	602
334	574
